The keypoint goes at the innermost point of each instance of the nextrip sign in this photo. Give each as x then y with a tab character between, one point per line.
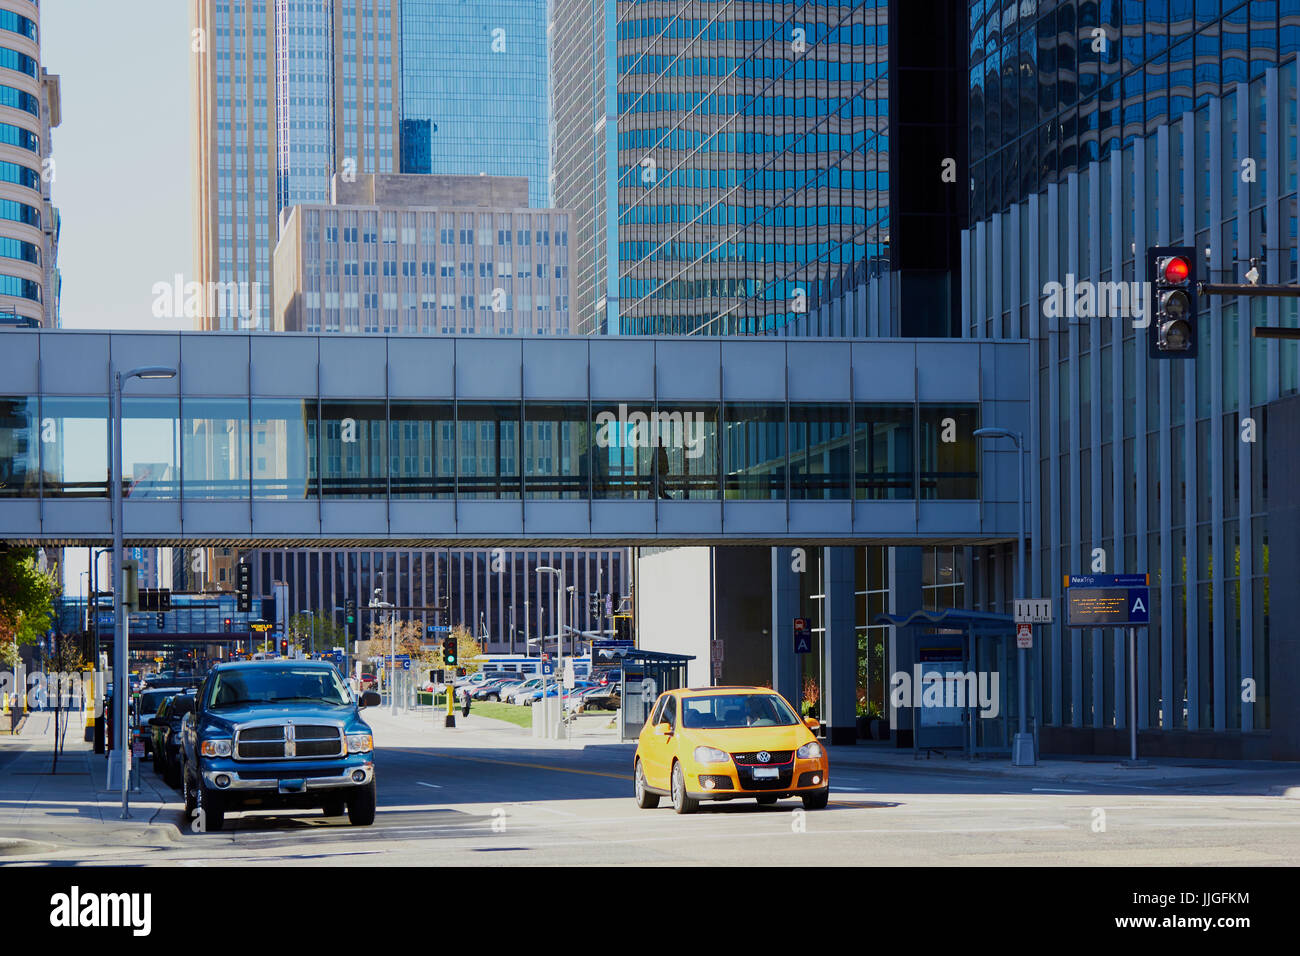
1107	600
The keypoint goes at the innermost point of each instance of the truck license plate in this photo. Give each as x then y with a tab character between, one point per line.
291	786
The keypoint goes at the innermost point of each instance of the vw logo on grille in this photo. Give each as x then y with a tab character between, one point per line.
764	756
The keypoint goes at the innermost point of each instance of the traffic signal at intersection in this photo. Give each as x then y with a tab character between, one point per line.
243	587
449	657
1171	274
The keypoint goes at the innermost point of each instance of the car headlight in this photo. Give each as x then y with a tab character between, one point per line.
810	751
215	748
709	755
360	743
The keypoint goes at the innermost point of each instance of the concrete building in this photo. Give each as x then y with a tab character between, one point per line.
29	224
437	255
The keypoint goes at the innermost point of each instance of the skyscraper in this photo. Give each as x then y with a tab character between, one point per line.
287	92
29	223
729	164
474	94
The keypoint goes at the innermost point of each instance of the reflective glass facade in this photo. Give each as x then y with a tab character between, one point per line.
753	179
726	162
1058	84
1183	132
474	90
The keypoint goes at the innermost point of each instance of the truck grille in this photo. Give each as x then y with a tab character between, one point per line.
288	741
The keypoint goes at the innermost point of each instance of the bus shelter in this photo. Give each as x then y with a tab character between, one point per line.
953	681
646	675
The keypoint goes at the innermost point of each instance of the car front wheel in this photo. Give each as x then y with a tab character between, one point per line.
361	806
681	802
816	801
213	809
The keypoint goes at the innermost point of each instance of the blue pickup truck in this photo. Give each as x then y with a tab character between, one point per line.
277	734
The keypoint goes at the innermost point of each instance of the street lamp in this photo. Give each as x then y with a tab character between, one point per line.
559	633
1022	749
391	669
147	372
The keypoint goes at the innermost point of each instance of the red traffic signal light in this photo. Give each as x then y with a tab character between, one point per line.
284	647
228	623
1175	269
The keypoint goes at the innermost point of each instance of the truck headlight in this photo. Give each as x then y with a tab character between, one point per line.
215	748
709	755
809	751
360	743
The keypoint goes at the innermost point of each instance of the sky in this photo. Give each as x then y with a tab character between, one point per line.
122	156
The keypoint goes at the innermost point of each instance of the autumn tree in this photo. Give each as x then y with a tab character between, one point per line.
26	602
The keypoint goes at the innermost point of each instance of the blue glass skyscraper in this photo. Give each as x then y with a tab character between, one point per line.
474	90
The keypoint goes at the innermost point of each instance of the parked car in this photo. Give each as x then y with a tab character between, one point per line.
166	735
527	687
603	697
146	705
491	689
278	734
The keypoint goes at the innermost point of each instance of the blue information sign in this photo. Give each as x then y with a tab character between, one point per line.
1107	580
1124	605
438	629
548	668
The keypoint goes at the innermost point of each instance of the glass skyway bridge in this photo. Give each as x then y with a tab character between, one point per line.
331	440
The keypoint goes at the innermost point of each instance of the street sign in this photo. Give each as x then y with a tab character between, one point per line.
1025	636
802	636
1108	606
1033	610
548	668
715	651
717	670
437	629
1107	580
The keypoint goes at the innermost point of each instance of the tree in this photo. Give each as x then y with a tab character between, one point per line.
26	601
61	687
323	635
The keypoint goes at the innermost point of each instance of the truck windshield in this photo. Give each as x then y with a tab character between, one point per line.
274	685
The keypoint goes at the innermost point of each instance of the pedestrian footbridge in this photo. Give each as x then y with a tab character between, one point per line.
299	440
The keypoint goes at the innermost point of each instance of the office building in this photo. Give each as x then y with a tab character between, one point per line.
424	254
29	224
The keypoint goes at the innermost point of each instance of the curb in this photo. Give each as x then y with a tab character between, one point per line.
1028	773
1291	793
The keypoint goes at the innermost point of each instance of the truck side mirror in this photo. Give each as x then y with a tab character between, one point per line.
370	699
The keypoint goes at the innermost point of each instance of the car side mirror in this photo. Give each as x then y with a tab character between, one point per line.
664	729
812	722
370	699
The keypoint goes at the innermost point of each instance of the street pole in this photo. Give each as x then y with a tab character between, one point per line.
1132	697
1023	745
119	614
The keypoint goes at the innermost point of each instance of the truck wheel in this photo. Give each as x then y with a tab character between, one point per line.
361	806
214	810
335	806
171	775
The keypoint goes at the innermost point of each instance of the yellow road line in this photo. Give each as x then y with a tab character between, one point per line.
535	766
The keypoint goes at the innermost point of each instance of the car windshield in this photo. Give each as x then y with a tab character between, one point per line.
275	685
722	711
150	701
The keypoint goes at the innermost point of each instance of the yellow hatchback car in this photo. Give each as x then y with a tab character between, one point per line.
723	743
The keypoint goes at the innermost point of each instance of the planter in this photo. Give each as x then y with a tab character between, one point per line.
879	729
864	728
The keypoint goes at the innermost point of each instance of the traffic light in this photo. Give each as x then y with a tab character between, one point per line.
159	619
228	623
165	599
449	656
350	611
284	647
243	587
1171	272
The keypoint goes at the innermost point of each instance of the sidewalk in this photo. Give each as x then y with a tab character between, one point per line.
1277	777
35	802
